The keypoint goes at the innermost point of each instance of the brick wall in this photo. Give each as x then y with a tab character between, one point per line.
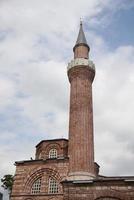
81	145
99	190
43	148
29	171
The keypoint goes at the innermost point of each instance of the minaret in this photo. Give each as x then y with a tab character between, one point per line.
81	72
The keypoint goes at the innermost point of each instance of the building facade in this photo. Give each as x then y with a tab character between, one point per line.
65	169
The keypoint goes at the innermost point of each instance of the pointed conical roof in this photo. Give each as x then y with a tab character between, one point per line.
81	39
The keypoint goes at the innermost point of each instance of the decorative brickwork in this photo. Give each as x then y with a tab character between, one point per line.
44	147
27	172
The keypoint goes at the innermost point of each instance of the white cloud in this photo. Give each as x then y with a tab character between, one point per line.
47	100
113	103
7	92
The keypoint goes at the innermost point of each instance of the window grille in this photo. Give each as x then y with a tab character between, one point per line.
53	186
36	186
53	153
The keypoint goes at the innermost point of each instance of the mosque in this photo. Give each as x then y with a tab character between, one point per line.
64	169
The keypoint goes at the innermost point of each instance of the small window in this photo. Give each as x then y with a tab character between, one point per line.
40	156
36	186
53	153
53	186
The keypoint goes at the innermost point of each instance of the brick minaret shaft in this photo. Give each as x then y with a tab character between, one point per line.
81	72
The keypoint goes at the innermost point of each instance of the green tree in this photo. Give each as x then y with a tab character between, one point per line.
7	182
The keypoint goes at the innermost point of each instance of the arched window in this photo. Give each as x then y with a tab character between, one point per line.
53	185
36	186
40	155
53	153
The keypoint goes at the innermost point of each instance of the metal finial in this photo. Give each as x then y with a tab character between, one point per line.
81	21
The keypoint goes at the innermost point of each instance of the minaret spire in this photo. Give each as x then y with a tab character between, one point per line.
81	48
81	39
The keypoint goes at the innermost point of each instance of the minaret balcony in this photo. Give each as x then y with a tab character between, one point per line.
81	62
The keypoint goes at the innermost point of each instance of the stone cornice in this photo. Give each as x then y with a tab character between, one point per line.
49	160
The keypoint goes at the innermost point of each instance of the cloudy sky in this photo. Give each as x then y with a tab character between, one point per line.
36	41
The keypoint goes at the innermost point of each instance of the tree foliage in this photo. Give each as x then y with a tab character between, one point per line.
7	182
